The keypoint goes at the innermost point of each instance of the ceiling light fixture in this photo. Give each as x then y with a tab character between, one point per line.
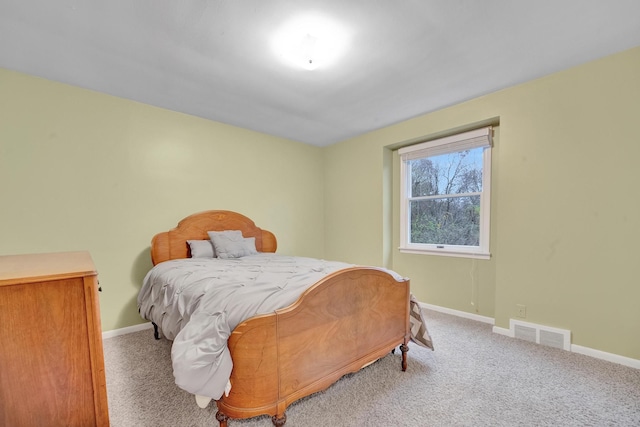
307	50
310	42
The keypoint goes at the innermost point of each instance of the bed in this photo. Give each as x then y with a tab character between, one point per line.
347	318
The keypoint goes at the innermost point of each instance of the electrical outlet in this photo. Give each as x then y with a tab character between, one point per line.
521	310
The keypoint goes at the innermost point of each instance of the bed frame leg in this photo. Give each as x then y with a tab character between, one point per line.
156	334
279	422
222	419
404	348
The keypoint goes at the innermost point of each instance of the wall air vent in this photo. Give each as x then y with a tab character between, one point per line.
525	333
540	334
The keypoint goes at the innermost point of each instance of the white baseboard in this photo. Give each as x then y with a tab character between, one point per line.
458	313
609	357
503	331
127	330
598	354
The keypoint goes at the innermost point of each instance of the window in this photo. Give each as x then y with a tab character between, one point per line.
445	195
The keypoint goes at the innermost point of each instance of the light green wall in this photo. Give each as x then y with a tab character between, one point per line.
565	229
81	170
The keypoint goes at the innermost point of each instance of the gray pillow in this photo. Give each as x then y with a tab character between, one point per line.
233	246
201	248
236	234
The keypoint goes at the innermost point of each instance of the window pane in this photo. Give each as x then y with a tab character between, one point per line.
446	221
453	173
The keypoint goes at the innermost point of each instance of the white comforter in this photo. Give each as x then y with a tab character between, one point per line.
198	302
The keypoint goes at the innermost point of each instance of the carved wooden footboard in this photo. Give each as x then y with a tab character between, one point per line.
341	324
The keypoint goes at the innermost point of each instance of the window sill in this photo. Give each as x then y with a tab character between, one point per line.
445	252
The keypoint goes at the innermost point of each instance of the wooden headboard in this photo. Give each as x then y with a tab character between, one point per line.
172	244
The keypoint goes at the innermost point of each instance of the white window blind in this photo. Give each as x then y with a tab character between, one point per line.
460	142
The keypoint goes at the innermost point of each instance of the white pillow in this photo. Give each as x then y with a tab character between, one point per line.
201	248
231	246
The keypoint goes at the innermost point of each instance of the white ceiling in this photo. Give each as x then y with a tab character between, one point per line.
212	58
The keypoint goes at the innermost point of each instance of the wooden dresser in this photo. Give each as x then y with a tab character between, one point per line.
51	356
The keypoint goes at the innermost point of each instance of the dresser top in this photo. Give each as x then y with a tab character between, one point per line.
16	269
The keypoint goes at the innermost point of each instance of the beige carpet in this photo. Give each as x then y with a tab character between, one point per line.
474	378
